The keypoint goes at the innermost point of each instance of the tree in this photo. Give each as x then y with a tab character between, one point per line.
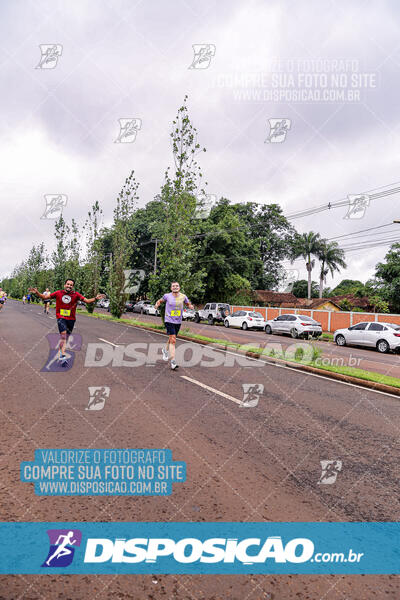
60	255
331	257
300	289
122	245
387	278
348	286
306	245
176	247
94	256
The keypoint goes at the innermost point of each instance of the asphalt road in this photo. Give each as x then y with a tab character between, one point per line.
243	464
358	357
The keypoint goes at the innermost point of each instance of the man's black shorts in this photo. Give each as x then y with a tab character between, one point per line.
46	301
65	325
172	328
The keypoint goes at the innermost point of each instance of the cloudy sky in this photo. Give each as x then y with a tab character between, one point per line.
330	68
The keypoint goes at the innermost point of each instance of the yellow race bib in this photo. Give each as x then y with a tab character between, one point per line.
175	313
64	312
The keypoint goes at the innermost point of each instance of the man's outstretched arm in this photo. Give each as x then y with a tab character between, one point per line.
91	300
34	291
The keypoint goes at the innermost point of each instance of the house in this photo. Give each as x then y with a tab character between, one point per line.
315	304
269	298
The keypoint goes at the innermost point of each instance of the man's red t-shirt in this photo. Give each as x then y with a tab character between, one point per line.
66	304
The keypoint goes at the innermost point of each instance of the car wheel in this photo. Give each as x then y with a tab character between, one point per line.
226	323
210	320
244	326
196	318
268	329
382	346
294	333
340	340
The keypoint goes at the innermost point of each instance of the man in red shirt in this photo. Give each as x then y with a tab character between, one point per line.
66	301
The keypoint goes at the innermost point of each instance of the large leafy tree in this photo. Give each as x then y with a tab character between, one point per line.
272	235
307	246
331	258
387	277
227	254
300	289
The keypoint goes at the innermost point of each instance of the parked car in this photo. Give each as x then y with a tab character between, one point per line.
103	303
149	309
188	314
294	325
139	306
246	319
382	336
129	306
213	312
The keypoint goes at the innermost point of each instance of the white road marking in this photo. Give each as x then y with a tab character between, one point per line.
107	342
299	371
207	387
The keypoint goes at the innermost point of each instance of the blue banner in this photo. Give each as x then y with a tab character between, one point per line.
103	472
212	548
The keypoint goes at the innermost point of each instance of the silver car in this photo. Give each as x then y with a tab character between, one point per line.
382	336
294	325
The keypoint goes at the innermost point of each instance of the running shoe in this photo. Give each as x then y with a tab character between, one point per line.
165	354
174	365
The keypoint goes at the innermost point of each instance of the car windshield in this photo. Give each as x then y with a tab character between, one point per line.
256	315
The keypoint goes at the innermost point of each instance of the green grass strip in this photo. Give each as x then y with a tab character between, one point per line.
351	371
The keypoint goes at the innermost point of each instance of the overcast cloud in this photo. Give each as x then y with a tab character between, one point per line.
127	59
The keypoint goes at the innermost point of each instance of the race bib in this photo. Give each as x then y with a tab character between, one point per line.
175	313
65	313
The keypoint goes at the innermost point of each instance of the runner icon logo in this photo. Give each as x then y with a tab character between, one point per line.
128	129
50	54
358	205
203	54
278	130
54	206
98	397
330	470
62	547
251	394
53	364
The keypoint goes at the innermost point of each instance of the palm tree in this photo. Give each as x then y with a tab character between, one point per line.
306	245
331	258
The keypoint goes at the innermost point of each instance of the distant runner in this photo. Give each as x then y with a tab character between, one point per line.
3	298
66	301
23	299
173	319
46	301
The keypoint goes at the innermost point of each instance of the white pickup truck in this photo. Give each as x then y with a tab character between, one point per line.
213	312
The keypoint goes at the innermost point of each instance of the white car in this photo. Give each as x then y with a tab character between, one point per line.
149	309
382	336
188	314
246	319
294	325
